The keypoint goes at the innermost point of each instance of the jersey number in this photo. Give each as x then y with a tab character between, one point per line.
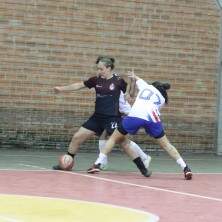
114	125
146	95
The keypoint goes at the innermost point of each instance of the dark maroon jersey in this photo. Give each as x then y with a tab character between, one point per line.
107	94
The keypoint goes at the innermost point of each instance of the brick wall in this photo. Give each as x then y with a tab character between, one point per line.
45	43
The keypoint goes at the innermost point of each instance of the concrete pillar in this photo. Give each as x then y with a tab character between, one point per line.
219	115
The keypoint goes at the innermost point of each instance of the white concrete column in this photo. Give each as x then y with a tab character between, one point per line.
219	115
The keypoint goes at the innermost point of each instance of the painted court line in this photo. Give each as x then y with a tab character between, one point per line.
125	183
146	187
38	168
32	166
28	155
157	172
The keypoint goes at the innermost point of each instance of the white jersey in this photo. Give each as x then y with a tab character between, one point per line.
148	102
124	106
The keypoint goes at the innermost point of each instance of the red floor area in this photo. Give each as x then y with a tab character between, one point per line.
169	196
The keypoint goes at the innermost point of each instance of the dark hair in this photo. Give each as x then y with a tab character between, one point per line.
162	87
107	61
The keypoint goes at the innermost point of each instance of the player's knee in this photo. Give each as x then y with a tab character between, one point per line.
125	144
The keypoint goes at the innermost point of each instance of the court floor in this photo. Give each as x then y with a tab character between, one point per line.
31	191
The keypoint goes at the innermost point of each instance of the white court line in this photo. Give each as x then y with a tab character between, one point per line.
38	168
131	184
28	170
157	172
28	155
145	187
32	166
8	219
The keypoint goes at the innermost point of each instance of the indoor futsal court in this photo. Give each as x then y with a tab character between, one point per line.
31	191
73	69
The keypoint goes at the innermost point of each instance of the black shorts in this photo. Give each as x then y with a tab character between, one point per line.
98	123
121	128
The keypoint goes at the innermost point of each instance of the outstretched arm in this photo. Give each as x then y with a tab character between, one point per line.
132	75
131	88
72	87
140	83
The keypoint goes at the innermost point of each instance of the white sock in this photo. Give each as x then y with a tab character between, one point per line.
135	147
181	162
102	159
102	145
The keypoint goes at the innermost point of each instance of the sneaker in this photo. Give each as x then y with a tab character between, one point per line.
94	169
104	166
147	161
187	173
146	173
57	167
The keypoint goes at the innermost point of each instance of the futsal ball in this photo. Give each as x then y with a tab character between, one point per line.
66	162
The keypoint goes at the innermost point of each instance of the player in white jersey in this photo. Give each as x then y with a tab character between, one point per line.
124	108
145	113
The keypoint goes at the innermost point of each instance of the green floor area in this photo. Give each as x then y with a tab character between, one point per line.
44	159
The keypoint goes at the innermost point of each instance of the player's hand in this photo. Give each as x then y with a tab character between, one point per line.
57	89
128	98
131	74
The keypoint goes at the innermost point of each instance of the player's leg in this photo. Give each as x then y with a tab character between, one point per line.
126	145
156	130
131	125
173	152
145	157
102	158
78	138
120	138
133	146
88	129
101	144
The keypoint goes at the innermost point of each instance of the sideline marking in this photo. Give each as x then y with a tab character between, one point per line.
145	187
32	166
43	169
123	183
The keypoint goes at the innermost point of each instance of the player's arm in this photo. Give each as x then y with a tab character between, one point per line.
131	87
139	83
128	91
124	106
68	88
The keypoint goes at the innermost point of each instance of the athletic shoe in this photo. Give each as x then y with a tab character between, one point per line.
187	173
57	167
147	161
104	166
94	169
146	172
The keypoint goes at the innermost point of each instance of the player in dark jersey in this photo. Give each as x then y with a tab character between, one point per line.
106	116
